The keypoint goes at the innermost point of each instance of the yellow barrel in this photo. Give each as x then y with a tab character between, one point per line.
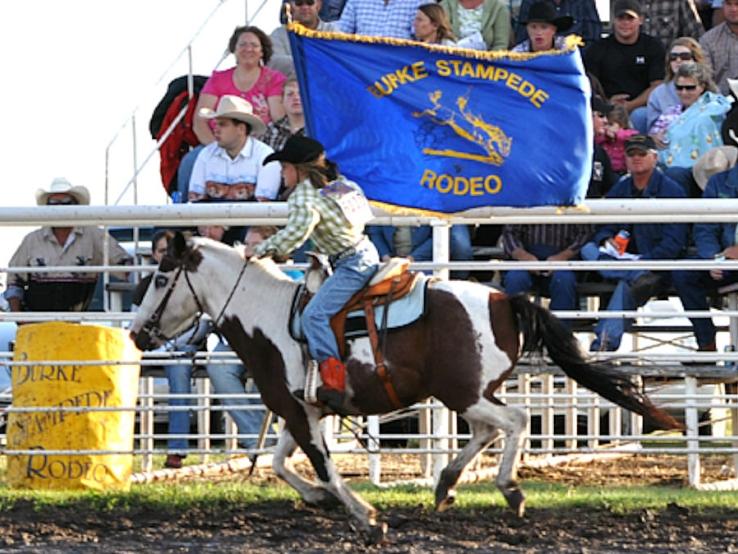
53	382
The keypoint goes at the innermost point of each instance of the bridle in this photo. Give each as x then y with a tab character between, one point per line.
151	327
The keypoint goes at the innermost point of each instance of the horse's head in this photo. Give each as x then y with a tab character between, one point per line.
319	271
170	303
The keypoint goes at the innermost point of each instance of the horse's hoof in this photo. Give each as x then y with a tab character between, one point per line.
445	503
516	501
375	534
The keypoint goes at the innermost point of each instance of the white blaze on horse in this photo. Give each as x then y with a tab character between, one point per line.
460	351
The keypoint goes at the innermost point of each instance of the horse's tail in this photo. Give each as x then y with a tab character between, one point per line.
541	328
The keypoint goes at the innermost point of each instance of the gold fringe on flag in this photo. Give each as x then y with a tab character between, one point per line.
572	42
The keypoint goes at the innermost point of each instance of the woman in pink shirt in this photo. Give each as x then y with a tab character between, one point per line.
250	79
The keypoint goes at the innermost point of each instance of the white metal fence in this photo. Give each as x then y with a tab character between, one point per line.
565	419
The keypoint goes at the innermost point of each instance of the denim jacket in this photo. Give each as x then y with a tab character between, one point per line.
654	241
712	238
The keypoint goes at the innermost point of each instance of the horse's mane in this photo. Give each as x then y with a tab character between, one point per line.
266	265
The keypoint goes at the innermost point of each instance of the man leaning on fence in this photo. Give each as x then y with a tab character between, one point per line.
64	291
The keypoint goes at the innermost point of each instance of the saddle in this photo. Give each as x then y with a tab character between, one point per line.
393	281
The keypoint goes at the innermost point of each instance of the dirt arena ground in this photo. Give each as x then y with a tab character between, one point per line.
290	527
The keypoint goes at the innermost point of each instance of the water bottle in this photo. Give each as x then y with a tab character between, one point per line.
621	241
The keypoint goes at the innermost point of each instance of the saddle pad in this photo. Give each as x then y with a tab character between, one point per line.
404	311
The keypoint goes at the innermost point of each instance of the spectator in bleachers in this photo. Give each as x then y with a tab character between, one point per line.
381	18
230	169
628	63
648	241
490	18
666	20
293	123
230	378
682	50
686	131
305	12
416	243
543	26
250	79
60	246
721	46
603	177
179	376
717	174
616	133
555	243
583	13
432	26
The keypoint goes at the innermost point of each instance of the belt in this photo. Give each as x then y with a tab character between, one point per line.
343	254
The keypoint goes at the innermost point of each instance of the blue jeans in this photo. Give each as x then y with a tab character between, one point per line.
560	285
179	377
184	172
229	379
609	332
639	120
693	288
349	275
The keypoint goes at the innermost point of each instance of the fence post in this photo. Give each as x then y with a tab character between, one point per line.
692	420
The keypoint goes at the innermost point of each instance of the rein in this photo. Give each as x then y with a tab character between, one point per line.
230	295
151	327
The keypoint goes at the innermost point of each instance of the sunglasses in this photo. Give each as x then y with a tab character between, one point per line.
685	87
304	2
684	56
61	202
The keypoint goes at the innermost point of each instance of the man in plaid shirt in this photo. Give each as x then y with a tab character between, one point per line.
331	211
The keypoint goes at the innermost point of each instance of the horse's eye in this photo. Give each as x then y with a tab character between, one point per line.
161	281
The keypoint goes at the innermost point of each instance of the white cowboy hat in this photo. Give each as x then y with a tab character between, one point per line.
235	107
61	186
715	160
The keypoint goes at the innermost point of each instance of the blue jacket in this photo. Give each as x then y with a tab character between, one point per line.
653	241
712	238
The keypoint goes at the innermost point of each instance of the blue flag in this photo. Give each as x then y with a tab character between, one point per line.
444	130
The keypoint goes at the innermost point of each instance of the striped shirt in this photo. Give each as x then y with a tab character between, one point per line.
390	18
721	48
561	237
312	215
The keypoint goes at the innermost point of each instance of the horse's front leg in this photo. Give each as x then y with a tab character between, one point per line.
304	426
310	491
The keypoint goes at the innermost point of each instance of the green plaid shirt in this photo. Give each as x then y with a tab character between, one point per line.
311	215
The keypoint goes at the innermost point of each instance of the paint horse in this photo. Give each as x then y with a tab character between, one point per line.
460	351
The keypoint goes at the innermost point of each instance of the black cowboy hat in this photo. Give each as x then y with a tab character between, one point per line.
546	12
600	105
297	150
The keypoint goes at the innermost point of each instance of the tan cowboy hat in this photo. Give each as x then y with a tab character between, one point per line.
235	107
715	160
61	186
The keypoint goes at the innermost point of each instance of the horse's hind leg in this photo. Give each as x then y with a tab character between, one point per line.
482	435
282	466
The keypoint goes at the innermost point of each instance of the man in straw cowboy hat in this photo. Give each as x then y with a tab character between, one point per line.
230	169
717	174
59	246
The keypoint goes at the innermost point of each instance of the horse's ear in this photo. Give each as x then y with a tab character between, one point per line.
178	245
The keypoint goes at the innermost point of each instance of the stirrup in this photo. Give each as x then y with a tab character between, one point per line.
312	381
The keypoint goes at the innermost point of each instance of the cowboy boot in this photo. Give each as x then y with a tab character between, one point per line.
332	392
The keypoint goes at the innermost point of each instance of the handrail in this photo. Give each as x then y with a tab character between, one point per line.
137	169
